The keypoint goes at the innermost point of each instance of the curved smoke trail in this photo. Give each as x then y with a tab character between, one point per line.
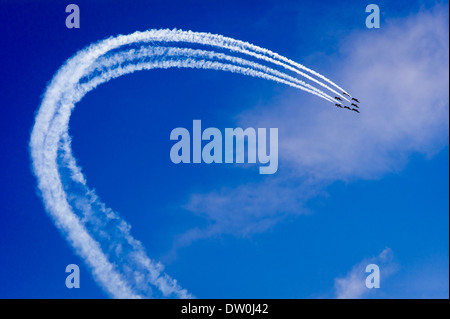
144	52
219	41
99	235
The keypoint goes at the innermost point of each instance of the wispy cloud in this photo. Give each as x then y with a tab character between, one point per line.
400	73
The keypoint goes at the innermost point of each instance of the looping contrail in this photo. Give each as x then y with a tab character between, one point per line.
100	236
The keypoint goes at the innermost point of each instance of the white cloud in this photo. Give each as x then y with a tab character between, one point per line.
400	73
401	76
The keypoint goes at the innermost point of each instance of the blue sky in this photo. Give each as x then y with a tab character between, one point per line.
349	190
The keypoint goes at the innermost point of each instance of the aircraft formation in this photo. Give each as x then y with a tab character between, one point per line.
353	106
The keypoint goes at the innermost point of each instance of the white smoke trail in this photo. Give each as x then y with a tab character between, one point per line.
264	73
122	57
252	47
214	40
99	235
220	41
